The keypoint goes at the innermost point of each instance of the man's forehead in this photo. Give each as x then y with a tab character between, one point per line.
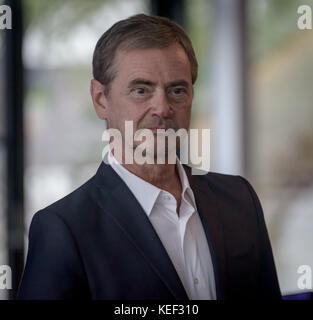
145	60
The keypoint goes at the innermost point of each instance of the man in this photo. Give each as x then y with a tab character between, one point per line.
149	231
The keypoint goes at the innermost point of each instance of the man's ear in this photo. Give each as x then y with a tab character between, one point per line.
99	99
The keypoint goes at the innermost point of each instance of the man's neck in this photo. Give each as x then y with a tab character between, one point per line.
163	176
160	175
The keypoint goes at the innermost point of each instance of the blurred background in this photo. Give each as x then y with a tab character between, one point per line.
254	92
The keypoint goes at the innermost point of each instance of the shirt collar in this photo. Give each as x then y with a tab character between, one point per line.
187	193
141	188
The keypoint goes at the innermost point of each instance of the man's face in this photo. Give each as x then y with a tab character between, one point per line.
152	88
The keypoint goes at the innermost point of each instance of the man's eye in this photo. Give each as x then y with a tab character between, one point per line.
178	91
139	91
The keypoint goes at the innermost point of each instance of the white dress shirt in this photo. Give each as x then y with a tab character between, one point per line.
182	235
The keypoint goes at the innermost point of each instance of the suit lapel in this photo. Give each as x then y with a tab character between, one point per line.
125	210
207	206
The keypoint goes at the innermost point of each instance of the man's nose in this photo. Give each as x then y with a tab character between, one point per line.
161	105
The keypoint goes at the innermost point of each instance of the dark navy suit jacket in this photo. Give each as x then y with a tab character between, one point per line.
98	243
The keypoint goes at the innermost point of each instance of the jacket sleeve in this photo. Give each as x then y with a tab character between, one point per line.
269	286
53	267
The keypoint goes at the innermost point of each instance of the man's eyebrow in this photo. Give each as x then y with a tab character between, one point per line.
138	81
176	83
